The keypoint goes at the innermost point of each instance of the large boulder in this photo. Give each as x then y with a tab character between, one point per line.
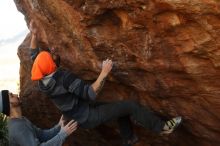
166	56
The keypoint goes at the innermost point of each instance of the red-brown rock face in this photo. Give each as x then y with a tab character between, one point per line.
166	55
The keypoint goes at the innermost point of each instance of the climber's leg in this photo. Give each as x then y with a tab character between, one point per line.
97	117
140	114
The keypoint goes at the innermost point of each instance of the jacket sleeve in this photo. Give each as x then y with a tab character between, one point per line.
78	87
47	134
26	137
35	51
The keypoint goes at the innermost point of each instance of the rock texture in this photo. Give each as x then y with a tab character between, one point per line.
166	55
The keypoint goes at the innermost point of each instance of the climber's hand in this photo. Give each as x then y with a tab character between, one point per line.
106	67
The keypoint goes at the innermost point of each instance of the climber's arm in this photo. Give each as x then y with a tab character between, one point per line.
33	29
34	51
86	91
99	83
34	48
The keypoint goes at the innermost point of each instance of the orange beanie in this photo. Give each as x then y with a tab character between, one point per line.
43	65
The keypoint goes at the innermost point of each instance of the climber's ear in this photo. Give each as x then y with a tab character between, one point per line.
56	59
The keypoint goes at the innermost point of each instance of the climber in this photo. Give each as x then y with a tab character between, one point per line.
23	133
73	97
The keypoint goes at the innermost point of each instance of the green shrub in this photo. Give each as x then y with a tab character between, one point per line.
3	131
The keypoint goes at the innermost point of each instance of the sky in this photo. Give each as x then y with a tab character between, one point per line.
13	30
